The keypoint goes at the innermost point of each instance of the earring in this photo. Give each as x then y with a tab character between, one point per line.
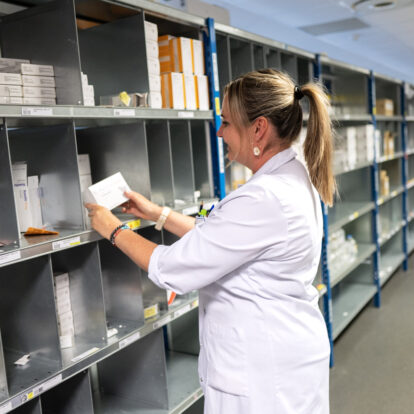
256	151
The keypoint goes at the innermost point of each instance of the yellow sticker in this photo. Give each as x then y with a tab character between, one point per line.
194	304
30	395
74	243
125	98
374	110
151	311
218	110
356	215
320	286
133	225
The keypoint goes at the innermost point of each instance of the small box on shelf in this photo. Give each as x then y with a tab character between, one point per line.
385	107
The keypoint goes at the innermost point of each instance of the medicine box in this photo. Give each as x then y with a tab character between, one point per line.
11	90
10	78
14	100
153	66
151	31
88	91
35	199
84	164
198	57
38	70
61	280
12	65
62	294
155	100
385	107
108	193
172	88
36	92
29	100
152	48
190	92
43	81
154	83
202	95
176	54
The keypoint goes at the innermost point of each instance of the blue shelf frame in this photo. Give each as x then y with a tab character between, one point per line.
404	177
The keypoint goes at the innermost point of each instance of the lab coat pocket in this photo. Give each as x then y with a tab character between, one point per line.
227	359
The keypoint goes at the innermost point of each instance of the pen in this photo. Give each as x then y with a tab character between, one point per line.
211	209
201	206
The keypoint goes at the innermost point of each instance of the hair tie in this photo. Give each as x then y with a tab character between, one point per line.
298	94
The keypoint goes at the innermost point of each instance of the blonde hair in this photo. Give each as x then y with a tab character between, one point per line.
273	94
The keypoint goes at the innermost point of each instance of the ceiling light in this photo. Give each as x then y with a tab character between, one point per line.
373	4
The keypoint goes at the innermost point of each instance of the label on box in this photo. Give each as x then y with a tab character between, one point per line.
37	111
162	322
64	244
183	114
182	311
129	340
5	408
151	311
10	257
85	354
124	112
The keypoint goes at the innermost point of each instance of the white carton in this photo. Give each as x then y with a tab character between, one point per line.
89	101
12	65
62	294
10	79
153	66
61	280
152	48
154	83
190	92
351	146
63	307
37	92
198	57
108	193
13	100
84	78
35	201
202	94
84	164
38	101
66	341
85	182
19	174
155	100
43	81
38	70
182	55
11	90
88	91
24	216
151	31
65	320
172	87
67	330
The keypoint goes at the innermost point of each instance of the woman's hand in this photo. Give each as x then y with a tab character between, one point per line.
141	207
102	220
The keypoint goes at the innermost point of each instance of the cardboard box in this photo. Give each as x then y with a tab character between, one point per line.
11	90
38	101
10	78
151	48
384	183
151	31
153	66
164	45
84	164
67	330
389	144
155	100
198	57
24	216
190	92
89	101
202	95
12	100
154	83
63	307
37	70
172	89
36	92
385	107
108	192
35	201
12	65
84	79
39	81
65	320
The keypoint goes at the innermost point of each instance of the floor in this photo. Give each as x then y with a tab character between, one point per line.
374	357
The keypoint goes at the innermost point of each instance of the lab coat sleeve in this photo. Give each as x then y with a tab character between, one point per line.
238	231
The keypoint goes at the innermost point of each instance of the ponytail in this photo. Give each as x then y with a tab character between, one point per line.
318	147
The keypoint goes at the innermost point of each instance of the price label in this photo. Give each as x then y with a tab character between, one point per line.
182	311
194	304
10	257
162	322
133	225
380	201
35	111
47	385
64	244
354	216
190	210
185	114
394	193
129	340
124	112
85	354
5	408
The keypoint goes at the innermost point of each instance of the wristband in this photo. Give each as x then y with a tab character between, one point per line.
162	218
116	231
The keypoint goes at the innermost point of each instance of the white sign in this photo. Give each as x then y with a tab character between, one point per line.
185	114
124	112
10	257
129	340
33	111
162	322
64	244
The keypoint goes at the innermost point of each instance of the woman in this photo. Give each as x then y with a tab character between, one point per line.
264	346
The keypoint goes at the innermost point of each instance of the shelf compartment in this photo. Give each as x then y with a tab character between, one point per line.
223	61
182	334
350	297
28	322
394	193
72	396
387	89
395	128
32	407
394	172
410	167
4	393
182	161
86	295
241	57
258	57
273	59
390	218
50	153
345	212
47	34
289	64
391	255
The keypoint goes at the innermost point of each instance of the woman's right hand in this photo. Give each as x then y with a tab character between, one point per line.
141	207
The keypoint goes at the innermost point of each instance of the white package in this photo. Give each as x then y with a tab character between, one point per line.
153	66
66	341
62	294
38	101
198	57
43	81
190	92
12	65
152	48
19	174
11	90
24	216
89	101
14	100
10	78
155	100
67	330
36	92
61	280
35	201
38	70
63	307
88	91
151	31
65	320
173	90
85	182
154	83
201	83
84	164
351	146
84	79
108	193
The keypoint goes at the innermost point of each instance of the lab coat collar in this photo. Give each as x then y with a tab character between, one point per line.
276	161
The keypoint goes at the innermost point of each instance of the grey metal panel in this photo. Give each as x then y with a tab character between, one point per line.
3	379
47	35
259	57
350	188
273	59
122	285
117	148
86	292
138	372
361	229
290	65
241	57
178	28
50	153
160	163
31	407
183	334
223	61
353	68
8	222
71	397
28	321
182	159
114	56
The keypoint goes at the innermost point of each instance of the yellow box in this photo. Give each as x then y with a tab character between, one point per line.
385	107
172	90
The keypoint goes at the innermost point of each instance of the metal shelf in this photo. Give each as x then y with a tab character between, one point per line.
389	263
393	194
344	212
410	243
357	167
351	118
409	118
385	118
35	246
410	183
410	151
328	61
396	156
27	389
384	237
364	251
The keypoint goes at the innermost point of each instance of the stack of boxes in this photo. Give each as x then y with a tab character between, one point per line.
183	81
151	43
389	144
11	91
88	91
342	250
64	310
384	183
85	179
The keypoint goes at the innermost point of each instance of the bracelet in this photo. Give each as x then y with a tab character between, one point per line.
162	218
116	231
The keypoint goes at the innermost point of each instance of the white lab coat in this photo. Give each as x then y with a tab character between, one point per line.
264	345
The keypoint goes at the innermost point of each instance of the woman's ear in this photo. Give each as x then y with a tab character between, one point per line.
261	125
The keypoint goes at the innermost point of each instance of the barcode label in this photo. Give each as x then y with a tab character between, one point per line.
162	322
29	111
10	257
124	112
129	340
5	408
64	244
182	311
183	114
47	385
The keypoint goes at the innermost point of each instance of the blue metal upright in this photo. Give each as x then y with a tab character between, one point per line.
374	180
210	54
404	177
326	278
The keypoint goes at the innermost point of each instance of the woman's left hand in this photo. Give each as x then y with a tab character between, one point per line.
102	220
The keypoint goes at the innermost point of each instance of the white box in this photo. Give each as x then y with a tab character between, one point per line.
153	66
85	182
190	92
19	174
63	307
43	81
152	48
151	31
61	280
11	90
84	164
36	92
172	86
10	78
24	216
38	70
89	101
154	83
182	55
12	65
38	101
67	330
351	146
155	100
65	320
13	100
203	102
66	341
198	57
84	79
62	294
35	201
88	91
108	192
